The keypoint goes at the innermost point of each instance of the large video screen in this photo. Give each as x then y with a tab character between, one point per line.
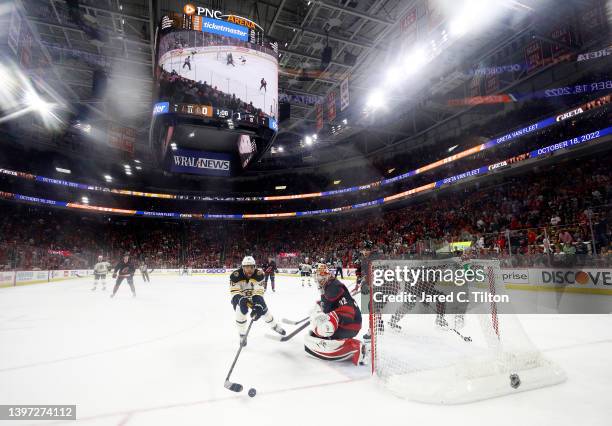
202	68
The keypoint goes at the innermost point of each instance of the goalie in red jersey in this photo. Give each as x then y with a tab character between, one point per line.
334	322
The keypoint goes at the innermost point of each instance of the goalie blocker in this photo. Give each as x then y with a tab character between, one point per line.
334	322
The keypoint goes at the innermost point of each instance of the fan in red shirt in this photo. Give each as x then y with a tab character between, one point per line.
334	322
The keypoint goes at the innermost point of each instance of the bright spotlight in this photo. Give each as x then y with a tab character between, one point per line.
33	101
308	140
458	27
394	76
280	149
375	100
314	137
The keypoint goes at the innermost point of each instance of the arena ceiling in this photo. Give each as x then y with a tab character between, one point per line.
362	33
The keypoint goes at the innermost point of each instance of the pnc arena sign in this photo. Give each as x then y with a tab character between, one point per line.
190	10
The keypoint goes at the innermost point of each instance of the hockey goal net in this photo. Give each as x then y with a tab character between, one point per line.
430	348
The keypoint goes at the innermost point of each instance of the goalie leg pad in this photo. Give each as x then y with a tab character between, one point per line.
333	350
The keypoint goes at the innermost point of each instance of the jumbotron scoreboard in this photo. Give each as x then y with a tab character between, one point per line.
216	92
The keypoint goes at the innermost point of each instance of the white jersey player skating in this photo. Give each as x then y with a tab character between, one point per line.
306	272
247	289
100	270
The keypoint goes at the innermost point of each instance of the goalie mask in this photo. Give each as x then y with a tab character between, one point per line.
322	275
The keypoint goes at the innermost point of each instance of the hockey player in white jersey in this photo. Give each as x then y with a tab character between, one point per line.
306	272
247	290
100	270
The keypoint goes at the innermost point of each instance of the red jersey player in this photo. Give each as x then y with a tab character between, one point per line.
334	322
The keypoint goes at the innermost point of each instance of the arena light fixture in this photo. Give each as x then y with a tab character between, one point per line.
108	178
308	140
315	137
345	121
85	200
280	187
375	100
137	161
458	27
337	182
173	146
138	168
280	149
391	170
62	170
394	76
36	103
415	60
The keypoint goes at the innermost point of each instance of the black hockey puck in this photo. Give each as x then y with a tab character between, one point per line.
252	392
515	381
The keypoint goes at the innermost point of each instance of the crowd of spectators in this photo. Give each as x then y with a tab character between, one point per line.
561	209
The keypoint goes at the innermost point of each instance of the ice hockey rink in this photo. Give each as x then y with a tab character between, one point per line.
161	359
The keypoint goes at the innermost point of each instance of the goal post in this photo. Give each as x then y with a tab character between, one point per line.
436	338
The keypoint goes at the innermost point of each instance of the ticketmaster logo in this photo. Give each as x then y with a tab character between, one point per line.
201	163
224	28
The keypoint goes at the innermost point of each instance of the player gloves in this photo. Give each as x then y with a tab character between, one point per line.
257	312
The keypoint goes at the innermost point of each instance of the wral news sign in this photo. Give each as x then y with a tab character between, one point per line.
200	162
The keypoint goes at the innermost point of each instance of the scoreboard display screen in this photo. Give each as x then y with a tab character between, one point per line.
221	73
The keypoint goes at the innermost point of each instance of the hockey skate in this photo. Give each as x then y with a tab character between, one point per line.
441	321
280	330
364	353
459	321
394	326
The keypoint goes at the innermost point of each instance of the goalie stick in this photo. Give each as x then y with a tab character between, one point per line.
236	387
288	321
290	335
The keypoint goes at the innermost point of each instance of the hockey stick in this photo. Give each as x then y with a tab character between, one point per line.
465	338
290	335
288	321
236	387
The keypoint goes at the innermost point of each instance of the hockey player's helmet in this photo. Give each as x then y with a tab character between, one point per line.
248	265
248	261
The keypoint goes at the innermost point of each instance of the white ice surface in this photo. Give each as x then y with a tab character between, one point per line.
161	359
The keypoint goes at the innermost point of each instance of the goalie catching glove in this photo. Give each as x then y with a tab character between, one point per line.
322	324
